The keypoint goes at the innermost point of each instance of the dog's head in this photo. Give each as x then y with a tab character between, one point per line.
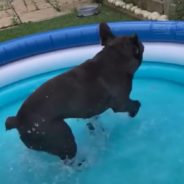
129	49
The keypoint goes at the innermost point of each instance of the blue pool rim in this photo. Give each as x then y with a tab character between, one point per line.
148	31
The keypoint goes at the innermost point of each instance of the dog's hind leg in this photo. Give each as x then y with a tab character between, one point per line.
59	139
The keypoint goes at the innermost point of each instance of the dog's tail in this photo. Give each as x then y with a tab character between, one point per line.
11	123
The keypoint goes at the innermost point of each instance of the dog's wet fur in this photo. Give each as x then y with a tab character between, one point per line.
89	89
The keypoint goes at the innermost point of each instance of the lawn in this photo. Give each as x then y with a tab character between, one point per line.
107	15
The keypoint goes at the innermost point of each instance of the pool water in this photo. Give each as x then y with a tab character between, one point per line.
147	149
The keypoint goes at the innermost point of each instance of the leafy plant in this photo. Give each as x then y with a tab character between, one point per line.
99	1
179	14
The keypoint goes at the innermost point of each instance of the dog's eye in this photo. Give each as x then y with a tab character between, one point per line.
136	50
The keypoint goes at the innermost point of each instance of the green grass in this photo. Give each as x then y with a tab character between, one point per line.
106	15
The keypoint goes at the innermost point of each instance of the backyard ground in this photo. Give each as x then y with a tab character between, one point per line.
107	15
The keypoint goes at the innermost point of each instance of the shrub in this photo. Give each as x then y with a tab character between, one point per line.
179	14
99	1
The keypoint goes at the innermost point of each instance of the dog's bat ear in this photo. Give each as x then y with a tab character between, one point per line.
105	34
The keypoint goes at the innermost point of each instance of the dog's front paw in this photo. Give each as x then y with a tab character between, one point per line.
135	108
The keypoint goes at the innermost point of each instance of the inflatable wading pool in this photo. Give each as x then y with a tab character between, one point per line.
145	149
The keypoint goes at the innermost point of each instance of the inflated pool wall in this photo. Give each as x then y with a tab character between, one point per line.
48	51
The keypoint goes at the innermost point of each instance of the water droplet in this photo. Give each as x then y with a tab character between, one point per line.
33	129
29	131
36	125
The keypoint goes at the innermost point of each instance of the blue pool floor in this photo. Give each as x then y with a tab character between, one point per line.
147	149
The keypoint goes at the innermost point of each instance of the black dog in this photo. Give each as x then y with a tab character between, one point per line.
87	90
